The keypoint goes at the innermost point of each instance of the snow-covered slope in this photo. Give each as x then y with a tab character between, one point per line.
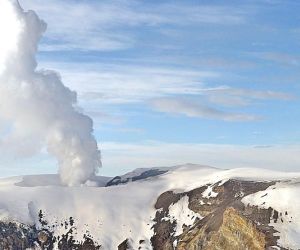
284	197
114	213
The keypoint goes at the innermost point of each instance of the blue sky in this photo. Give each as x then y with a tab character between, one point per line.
165	80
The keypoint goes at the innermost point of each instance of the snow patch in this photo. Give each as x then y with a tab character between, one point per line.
182	215
209	192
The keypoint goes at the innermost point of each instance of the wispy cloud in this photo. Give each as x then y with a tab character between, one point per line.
113	83
172	90
281	58
229	96
220	96
122	83
191	108
107	25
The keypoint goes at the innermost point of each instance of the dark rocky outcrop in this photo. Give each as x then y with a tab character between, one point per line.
124	245
147	174
16	236
12	236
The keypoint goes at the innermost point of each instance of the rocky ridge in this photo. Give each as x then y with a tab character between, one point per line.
226	222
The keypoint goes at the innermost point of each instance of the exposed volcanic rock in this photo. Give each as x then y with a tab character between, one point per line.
226	224
144	175
16	236
235	232
124	245
12	236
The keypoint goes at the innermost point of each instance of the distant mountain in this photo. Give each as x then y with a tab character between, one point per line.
183	207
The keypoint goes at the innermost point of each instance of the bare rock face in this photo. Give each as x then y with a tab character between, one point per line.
16	236
144	175
226	222
235	232
124	245
43	237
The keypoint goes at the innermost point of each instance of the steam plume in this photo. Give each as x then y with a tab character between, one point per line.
36	104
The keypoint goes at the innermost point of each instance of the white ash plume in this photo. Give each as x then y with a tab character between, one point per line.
39	109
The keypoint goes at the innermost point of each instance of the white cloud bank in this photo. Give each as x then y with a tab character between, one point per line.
122	157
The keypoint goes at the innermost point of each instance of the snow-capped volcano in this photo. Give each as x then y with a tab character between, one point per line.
159	208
